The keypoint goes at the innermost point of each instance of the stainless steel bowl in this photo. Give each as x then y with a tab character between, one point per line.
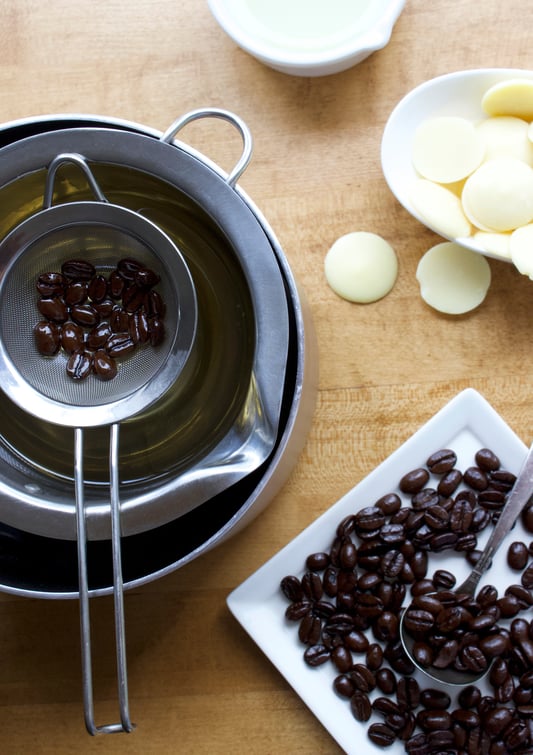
45	564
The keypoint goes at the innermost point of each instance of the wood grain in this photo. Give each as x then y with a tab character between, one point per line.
198	684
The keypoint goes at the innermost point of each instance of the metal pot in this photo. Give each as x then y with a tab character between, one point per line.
195	201
215	427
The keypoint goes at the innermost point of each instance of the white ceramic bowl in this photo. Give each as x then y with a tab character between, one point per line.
453	94
308	37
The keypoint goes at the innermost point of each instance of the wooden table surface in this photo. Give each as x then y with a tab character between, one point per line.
198	683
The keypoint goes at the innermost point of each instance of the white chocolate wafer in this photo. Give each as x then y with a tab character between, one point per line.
361	267
498	196
506	136
452	279
446	149
440	208
511	97
521	249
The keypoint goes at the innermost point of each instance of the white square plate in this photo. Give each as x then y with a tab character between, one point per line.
465	424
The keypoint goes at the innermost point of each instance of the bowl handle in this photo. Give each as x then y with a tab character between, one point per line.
226	115
75	159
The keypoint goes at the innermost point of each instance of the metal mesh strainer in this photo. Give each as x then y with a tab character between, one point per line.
101	233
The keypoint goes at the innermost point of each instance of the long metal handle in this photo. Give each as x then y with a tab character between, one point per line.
518	497
118	589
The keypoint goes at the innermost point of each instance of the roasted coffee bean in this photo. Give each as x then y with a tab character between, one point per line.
381	735
97	289
408	693
469	697
342	658
50	284
491	500
84	314
76	293
508	605
104	308
133	298
433	720
443	541
139	327
392	564
72	337
98	336
119	345
414	481
374	653
360	706
310	629
467	719
527	517
348	556
449	483
423	654
392	534
523	595
502	480
446	654
493	645
128	267
517	555
357	641
343	686
480	520
461	516
436	517
291	587
104	365
155	306
116	285
47	337
435	699
425	498
79	365
316	655
487	460
418	622
527	577
156	331
362	677
146	278
53	309
330	581
78	270
389	504
369	581
119	320
312	585
476	478
297	610
370	518
386	681
317	561
473	658
441	461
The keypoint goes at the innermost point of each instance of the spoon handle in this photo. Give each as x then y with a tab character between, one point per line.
520	495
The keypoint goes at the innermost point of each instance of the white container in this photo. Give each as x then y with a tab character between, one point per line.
308	37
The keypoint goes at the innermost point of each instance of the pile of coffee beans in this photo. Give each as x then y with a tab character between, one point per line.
348	602
97	319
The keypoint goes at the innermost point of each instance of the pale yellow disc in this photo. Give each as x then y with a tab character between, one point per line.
506	136
494	243
521	249
446	149
440	208
361	267
452	279
499	194
512	97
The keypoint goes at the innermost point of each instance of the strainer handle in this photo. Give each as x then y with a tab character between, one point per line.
118	589
74	159
226	115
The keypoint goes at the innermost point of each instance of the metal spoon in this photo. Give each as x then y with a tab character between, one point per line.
520	495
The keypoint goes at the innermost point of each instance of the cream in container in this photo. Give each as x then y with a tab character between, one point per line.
308	37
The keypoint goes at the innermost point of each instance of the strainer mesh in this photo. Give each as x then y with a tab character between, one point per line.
103	246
